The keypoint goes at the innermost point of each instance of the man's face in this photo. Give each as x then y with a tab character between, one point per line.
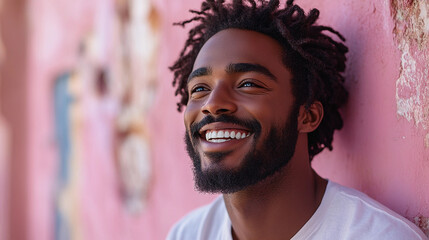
241	121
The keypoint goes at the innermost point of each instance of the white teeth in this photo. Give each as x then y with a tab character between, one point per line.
220	134
223	136
232	135
238	135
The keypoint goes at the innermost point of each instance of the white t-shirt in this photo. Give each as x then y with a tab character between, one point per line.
344	213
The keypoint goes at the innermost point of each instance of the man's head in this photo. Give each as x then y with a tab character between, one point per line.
252	69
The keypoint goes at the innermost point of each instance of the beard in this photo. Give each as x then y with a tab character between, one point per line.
257	165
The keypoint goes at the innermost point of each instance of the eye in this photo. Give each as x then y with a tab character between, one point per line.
253	86
198	89
247	83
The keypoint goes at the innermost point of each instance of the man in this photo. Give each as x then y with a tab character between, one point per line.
262	88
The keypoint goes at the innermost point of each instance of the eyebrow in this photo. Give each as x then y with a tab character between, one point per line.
234	68
249	67
199	72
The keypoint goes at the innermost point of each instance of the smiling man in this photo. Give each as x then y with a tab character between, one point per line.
262	86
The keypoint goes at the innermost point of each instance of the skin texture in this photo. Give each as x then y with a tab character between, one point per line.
278	206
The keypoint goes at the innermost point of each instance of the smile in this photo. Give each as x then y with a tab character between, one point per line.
219	136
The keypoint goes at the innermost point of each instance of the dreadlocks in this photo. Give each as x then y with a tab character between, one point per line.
314	59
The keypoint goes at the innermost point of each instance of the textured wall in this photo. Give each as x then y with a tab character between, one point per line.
411	31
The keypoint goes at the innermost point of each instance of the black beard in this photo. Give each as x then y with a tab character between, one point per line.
258	164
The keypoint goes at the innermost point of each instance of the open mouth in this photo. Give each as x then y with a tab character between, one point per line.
219	136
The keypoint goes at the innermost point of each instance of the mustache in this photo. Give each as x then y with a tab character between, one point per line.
251	124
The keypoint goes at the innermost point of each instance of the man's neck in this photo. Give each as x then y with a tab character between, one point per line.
278	207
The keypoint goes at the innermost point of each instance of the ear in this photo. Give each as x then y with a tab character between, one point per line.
310	118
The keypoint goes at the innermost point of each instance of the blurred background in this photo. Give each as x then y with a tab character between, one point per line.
91	143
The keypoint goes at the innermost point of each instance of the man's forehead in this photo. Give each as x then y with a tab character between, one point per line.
238	46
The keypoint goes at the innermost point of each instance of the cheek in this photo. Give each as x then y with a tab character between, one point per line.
270	114
190	114
267	109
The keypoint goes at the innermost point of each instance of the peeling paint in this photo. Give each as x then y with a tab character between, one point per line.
411	31
422	223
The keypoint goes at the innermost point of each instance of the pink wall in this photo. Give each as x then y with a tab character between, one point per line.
55	35
382	150
14	110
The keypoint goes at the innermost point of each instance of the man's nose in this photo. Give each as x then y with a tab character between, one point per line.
220	101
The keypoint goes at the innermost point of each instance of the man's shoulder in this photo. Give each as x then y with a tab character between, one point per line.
355	214
201	222
356	202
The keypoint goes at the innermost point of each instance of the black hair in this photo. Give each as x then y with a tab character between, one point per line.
314	58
